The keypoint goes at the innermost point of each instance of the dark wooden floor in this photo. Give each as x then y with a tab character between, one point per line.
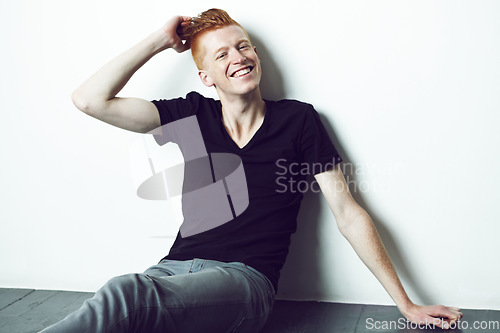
27	310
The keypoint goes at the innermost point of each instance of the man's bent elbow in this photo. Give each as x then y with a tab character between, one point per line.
80	102
89	106
343	225
350	216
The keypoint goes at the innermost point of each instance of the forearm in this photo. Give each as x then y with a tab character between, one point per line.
357	227
112	77
364	238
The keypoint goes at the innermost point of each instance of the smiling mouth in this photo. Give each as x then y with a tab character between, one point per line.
242	72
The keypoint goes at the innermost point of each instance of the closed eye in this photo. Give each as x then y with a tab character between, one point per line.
220	56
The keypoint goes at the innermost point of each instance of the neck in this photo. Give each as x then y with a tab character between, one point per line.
242	111
242	115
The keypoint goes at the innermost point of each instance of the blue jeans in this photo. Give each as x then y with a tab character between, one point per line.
177	296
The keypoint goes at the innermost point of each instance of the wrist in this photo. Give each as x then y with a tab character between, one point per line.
159	41
406	307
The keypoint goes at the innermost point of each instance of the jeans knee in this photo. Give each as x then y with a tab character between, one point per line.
127	286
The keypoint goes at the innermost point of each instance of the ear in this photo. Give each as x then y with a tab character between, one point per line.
205	78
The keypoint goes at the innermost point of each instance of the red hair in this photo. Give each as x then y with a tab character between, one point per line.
209	20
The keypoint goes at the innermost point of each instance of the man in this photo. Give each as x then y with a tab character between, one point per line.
224	279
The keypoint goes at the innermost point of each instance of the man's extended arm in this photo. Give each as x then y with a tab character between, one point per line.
357	227
97	95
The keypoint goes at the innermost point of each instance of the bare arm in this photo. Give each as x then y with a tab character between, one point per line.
357	227
97	95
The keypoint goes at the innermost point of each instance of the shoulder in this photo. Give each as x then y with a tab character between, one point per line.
192	97
292	104
195	99
291	109
193	104
196	96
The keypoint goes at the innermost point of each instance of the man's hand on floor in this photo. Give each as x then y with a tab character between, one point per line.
439	315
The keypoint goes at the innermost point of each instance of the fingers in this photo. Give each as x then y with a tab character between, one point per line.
177	20
457	312
441	323
446	312
174	22
444	317
183	22
454	313
438	315
177	43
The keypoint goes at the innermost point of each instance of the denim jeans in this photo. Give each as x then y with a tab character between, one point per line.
177	296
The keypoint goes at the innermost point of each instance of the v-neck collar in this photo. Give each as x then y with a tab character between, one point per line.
254	137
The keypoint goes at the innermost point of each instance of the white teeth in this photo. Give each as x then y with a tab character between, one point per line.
242	72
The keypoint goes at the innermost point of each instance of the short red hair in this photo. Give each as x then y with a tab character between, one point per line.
209	20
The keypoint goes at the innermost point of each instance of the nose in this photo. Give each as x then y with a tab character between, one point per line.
238	57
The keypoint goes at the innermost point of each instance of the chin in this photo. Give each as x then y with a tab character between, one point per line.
241	89
250	88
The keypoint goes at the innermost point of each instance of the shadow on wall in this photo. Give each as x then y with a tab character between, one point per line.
301	277
271	84
302	265
404	270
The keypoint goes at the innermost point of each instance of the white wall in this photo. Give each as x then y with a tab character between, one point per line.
408	89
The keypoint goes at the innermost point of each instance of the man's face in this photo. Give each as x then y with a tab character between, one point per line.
230	62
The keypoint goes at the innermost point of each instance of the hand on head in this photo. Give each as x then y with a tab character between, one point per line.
173	31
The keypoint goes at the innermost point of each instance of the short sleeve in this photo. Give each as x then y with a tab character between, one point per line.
171	110
174	109
317	149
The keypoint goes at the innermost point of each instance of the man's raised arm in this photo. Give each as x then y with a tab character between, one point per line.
97	95
357	227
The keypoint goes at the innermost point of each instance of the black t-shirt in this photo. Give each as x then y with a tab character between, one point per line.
291	143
